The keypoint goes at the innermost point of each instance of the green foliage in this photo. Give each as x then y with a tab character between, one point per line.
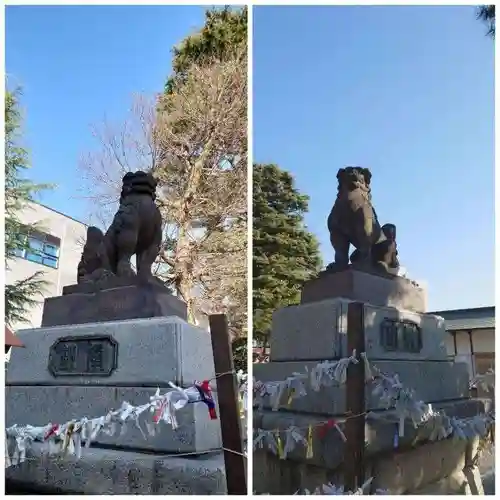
240	351
486	13
21	295
285	253
223	36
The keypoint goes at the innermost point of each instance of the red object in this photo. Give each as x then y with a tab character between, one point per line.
209	400
159	412
325	427
52	431
11	340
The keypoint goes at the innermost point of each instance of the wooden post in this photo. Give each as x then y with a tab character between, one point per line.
354	449
227	392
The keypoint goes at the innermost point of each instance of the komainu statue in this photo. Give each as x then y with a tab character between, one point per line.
353	221
136	230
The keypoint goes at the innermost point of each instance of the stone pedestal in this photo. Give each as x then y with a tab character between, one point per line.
370	288
84	362
148	353
88	304
318	330
399	338
111	472
396	472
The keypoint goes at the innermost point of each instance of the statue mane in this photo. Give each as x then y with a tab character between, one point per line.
138	183
352	178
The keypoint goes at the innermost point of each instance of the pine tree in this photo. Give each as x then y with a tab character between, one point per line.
486	13
224	36
285	253
23	294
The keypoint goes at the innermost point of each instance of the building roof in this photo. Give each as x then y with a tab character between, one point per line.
468	319
11	340
58	212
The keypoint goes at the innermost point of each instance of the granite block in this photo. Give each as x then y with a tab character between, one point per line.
432	329
286	477
113	304
393	291
309	331
111	472
328	450
113	281
32	405
318	330
431	381
432	461
151	352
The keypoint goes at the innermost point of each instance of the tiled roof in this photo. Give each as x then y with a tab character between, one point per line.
468	319
469	324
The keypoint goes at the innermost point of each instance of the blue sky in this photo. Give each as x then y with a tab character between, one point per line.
77	64
407	92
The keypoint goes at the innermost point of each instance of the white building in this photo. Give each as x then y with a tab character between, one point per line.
54	248
471	337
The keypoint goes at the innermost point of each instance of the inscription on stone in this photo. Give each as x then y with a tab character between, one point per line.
400	336
94	355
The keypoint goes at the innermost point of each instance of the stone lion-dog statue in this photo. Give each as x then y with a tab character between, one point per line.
353	221
136	230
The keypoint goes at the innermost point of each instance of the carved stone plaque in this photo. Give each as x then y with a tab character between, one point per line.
89	355
400	336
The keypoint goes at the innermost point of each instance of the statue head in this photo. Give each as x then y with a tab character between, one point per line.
94	237
138	183
351	178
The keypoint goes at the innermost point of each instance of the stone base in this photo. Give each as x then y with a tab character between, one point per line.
150	353
110	472
81	305
38	405
113	281
431	381
328	452
435	467
318	331
361	286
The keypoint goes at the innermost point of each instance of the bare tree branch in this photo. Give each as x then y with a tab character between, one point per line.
195	143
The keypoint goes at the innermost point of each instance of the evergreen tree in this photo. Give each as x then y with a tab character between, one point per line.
224	36
285	253
23	294
486	13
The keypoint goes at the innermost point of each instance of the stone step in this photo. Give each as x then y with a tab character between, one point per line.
431	381
148	352
111	472
39	406
318	330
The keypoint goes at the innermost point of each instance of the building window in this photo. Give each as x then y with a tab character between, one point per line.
40	248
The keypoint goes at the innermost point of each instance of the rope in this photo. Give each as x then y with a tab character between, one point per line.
161	457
